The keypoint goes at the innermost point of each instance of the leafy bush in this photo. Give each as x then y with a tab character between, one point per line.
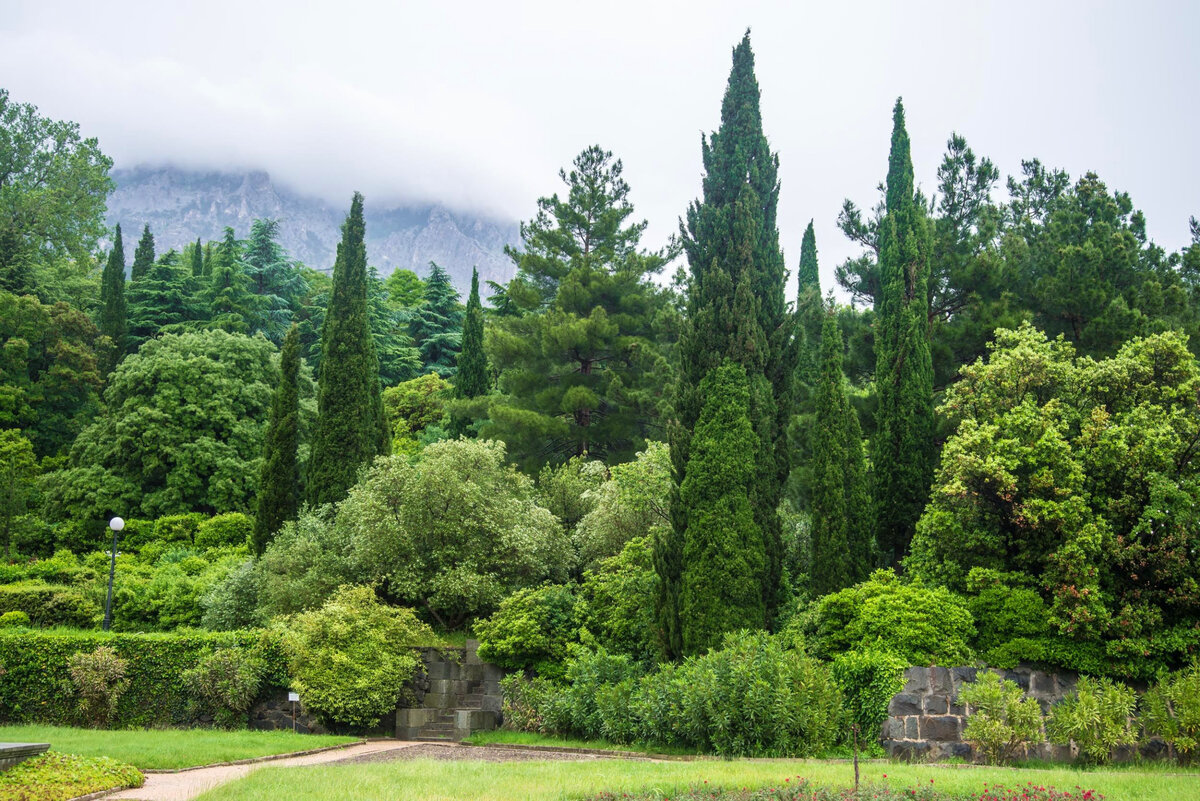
36	671
304	564
1096	717
49	604
1011	618
14	619
924	625
868	678
1171	711
618	601
224	686
531	629
1002	719
179	529
99	679
233	528
351	658
525	701
55	776
580	706
232	603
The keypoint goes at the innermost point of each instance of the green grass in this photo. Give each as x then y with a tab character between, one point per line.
428	780
167	749
506	737
57	777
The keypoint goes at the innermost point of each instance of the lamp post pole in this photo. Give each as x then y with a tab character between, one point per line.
116	524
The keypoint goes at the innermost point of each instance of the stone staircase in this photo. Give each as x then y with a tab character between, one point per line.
456	695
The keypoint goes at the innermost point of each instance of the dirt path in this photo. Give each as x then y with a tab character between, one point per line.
188	784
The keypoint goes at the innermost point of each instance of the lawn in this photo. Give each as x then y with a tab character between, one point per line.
427	780
167	749
508	737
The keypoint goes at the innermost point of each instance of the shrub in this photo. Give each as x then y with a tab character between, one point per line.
531	629
179	529
32	690
589	673
99	679
136	535
1013	621
1171	711
49	604
55	776
924	625
232	603
525	700
233	528
1002	718
1096	717
224	686
868	678
14	619
619	598
351	658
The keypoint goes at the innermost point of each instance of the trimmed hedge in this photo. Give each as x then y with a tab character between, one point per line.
36	688
49	604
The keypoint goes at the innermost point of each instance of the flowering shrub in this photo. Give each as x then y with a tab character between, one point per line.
800	789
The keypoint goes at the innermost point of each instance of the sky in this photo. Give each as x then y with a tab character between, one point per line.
479	104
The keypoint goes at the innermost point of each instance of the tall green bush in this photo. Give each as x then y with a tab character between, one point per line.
1002	720
1097	717
1171	711
224	685
868	678
99	679
231	528
531	630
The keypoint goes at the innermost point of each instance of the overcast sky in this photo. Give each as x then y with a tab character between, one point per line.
478	104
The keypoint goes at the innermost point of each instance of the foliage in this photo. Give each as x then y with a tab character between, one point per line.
922	624
635	501
412	407
724	557
182	432
1002	719
49	604
351	429
581	357
306	561
348	659
52	196
279	481
14	619
1011	618
1081	476
404	289
531	630
224	685
164	299
49	372
1170	710
868	677
454	532
436	324
568	490
231	528
18	469
56	776
100	681
113	311
472	379
1096	717
735	310
618	601
232	602
274	279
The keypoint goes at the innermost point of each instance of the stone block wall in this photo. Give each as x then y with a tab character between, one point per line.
924	722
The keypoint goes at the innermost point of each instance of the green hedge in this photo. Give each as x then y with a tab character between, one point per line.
36	688
49	604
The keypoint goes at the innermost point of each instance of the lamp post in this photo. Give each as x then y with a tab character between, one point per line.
116	524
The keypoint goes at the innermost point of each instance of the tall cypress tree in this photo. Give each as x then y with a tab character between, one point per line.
143	257
731	239
471	380
113	322
197	259
902	449
279	481
810	311
351	429
722	541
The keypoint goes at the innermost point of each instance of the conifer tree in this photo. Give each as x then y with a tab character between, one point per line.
160	301
279	481
722	542
810	310
351	430
436	324
274	279
902	449
227	298
731	239
471	380
209	257
113	314
143	257
197	259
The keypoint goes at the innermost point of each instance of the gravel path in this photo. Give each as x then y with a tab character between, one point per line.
188	784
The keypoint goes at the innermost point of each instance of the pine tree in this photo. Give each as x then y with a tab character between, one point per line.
902	449
279	481
160	301
436	324
399	359
471	380
722	542
351	430
227	297
143	257
113	322
731	238
274	279
197	255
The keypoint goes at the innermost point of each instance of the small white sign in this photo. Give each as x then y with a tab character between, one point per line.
293	696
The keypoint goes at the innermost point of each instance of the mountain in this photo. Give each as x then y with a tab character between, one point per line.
183	205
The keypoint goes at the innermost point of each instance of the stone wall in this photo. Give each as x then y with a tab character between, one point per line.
924	722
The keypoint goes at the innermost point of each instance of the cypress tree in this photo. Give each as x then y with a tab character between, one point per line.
279	481
471	380
197	259
731	239
902	449
113	322
722	541
810	311
143	257
351	429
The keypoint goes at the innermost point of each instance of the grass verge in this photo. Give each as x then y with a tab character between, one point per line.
168	749
57	777
506	737
421	780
